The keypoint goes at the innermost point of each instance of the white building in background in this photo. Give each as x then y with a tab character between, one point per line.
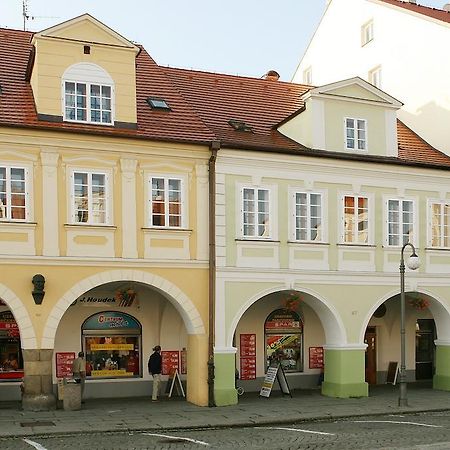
399	46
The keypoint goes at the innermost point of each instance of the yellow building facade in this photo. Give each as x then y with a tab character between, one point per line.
113	220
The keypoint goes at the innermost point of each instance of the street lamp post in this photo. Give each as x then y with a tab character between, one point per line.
413	263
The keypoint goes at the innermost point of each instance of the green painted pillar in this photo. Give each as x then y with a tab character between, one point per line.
225	393
344	372
441	379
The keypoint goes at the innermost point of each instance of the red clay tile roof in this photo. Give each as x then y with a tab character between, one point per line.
201	104
438	14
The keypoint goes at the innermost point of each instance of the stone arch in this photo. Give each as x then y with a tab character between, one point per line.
182	303
28	338
439	310
335	333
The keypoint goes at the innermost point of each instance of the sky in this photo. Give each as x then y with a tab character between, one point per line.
239	37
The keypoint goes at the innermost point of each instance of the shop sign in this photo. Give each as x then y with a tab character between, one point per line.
248	368
109	320
247	345
64	362
111	347
124	298
183	361
247	350
8	325
170	361
283	319
316	357
279	341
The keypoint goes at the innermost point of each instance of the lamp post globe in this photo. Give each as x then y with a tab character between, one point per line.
413	264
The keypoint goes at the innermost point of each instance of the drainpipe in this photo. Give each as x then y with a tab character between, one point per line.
215	146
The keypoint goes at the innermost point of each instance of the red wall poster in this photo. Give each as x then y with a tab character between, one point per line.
247	356
170	361
316	357
64	361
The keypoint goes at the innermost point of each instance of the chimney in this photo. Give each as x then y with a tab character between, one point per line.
272	75
446	7
414	2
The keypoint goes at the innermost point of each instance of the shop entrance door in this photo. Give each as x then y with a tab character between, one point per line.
370	339
425	335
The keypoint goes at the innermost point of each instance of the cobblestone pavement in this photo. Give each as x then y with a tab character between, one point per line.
419	431
140	414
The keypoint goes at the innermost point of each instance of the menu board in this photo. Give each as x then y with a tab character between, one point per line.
170	361
316	357
247	356
64	362
183	361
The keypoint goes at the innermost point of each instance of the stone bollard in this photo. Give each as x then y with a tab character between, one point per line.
71	396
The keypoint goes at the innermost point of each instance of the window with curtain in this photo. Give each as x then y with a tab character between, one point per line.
90	198
166	202
440	224
13	193
356	219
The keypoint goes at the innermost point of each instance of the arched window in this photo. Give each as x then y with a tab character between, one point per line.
88	95
283	331
112	344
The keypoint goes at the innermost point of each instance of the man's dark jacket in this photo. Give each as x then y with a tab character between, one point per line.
154	363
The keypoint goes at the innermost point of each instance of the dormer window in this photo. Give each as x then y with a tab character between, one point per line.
355	134
88	95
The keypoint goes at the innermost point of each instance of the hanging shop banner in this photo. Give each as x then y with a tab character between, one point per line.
183	361
283	319
316	357
170	361
64	362
275	372
109	320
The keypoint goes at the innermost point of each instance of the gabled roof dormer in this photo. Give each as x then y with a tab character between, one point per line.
350	116
84	72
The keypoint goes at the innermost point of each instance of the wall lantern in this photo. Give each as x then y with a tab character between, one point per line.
38	292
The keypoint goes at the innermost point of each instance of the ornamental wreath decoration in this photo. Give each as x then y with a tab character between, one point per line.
419	303
292	301
125	297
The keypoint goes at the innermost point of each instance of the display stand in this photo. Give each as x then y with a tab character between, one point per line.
174	380
392	372
272	373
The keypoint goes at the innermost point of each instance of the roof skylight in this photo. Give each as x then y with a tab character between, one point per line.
240	125
158	103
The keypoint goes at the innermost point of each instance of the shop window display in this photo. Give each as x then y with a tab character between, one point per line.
284	340
11	362
112	344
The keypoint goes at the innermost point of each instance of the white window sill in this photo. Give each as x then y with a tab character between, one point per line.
90	226
255	239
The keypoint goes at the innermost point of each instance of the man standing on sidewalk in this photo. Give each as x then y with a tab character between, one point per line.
154	368
79	371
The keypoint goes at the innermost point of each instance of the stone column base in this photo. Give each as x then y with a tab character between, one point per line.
39	402
345	390
441	379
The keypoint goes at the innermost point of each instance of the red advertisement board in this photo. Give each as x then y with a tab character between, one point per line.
64	362
247	350
170	361
248	345
316	357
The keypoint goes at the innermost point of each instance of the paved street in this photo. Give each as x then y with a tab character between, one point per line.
418	431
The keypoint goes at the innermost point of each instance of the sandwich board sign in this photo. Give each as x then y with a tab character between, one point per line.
274	372
174	381
392	373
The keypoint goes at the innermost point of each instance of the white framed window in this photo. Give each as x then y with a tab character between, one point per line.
87	95
307	75
439	224
255	213
355	134
356	219
14	193
400	222
90	203
87	102
308	216
375	76
167	205
367	33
